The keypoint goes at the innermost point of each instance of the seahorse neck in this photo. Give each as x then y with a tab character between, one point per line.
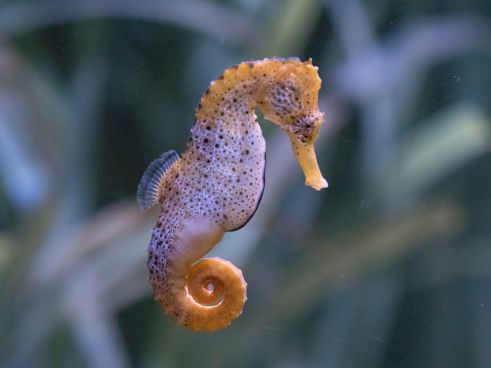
229	107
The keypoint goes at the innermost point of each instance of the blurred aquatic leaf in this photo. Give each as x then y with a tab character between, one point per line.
27	157
375	246
292	27
441	145
5	250
203	16
23	175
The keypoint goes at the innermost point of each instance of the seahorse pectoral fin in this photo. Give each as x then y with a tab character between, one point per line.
147	194
305	155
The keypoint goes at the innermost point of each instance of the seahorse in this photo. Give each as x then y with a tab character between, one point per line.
217	184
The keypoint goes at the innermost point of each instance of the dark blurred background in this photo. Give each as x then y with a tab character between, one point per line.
388	267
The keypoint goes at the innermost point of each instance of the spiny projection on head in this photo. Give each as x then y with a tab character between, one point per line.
217	184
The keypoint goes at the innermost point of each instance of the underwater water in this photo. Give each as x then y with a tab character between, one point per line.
386	267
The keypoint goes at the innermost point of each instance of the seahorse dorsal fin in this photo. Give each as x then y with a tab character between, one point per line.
147	194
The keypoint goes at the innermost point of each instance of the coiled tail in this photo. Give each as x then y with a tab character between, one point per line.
216	294
203	296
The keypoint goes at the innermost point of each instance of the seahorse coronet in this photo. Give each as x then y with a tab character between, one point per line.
217	183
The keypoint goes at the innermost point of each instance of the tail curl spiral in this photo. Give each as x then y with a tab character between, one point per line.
216	293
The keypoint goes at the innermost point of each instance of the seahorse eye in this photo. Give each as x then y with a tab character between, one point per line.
307	126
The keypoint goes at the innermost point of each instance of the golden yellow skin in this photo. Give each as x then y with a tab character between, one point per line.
217	185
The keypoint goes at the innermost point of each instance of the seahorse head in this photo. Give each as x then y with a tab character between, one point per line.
289	98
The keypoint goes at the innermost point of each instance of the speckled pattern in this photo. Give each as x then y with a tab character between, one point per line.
218	182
